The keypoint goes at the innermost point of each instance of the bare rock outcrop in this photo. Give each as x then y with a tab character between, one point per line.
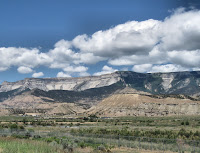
75	84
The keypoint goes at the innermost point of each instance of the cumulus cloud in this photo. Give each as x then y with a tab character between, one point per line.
2	68
185	58
76	69
12	56
62	56
79	70
82	74
124	69
24	70
174	40
171	44
125	39
142	68
62	74
37	75
181	31
149	68
167	68
106	70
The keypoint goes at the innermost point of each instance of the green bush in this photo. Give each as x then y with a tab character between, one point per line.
13	126
82	144
187	123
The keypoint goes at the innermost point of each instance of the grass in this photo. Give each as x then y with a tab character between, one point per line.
15	118
12	145
154	127
127	126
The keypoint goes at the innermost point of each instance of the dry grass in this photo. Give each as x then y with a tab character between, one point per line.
132	150
12	145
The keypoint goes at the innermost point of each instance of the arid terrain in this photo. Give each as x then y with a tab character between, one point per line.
118	94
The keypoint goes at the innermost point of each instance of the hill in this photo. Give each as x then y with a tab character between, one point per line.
123	91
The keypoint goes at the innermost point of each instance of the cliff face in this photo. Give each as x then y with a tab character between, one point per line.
155	83
107	95
187	83
74	84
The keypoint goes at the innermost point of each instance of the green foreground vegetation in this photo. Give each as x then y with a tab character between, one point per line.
12	145
98	134
182	127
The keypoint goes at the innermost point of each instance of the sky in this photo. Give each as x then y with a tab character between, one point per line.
73	38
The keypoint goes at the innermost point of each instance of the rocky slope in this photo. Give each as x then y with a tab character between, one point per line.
155	83
27	103
72	84
164	83
110	94
145	105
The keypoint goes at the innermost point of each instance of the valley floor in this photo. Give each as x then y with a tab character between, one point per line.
93	134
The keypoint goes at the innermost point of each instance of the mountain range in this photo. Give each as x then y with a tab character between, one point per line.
122	93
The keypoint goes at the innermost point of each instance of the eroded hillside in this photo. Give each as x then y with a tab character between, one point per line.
117	94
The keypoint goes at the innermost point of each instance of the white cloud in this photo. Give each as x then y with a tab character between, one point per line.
80	70
124	69
153	57
142	68
62	74
167	68
175	41
37	75
106	70
185	58
125	39
31	58
196	69
149	68
89	58
84	74
24	70
62	56
181	31
76	69
3	68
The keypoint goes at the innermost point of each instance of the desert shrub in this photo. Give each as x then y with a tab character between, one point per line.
13	126
78	124
31	130
82	144
187	123
102	148
93	116
156	133
85	118
36	137
50	139
21	127
71	124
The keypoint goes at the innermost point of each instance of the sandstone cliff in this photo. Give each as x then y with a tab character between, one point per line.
117	94
154	83
75	84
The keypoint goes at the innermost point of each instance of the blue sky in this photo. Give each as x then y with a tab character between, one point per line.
63	38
